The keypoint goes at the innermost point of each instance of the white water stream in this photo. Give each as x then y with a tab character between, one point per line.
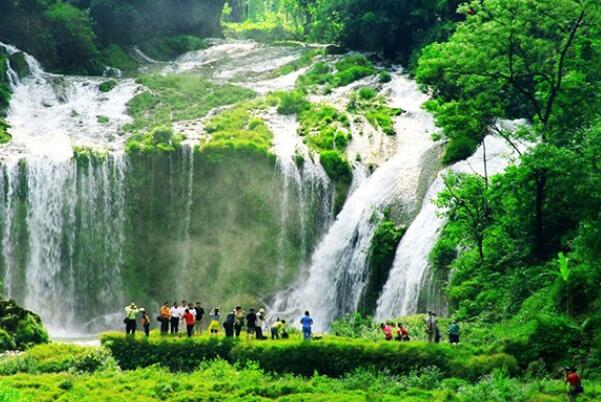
401	292
337	274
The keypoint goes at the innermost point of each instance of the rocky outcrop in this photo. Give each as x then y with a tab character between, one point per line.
19	328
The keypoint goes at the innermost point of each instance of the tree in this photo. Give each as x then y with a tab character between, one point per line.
510	53
465	202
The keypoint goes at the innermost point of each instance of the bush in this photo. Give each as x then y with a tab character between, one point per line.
159	139
293	102
20	328
458	149
329	356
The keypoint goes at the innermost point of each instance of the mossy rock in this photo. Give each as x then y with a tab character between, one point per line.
19	328
107	86
19	64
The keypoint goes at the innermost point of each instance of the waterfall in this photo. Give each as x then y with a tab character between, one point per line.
337	273
401	292
303	183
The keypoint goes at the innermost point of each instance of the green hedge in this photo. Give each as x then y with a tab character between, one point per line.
329	356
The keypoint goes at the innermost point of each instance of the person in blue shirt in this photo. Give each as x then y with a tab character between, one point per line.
306	322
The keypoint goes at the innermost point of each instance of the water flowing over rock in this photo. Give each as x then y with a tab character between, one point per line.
402	291
334	282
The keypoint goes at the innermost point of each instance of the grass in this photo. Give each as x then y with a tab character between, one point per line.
4	136
237	130
304	61
85	154
159	139
115	56
174	98
346	71
74	373
372	106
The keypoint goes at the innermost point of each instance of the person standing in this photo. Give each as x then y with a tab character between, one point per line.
189	318
165	317
261	316
131	312
176	314
145	322
214	325
306	323
454	332
228	324
432	327
239	320
199	313
251	323
574	382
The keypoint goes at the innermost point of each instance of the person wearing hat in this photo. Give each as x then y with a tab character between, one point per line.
145	321
239	316
261	316
131	312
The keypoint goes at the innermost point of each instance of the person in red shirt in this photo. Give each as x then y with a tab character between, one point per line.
574	383
190	320
402	334
387	330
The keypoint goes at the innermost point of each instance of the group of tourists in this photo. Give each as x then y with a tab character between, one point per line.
255	322
432	331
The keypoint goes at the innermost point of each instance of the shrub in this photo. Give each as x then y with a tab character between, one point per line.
159	139
459	148
329	356
385	77
293	102
20	328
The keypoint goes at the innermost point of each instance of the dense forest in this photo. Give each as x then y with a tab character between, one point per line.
519	258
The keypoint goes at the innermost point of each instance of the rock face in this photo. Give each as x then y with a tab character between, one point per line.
19	328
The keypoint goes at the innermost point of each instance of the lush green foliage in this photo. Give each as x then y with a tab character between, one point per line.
346	71
262	31
159	139
174	98
219	380
169	47
19	328
57	358
81	36
367	102
107	86
381	256
236	130
328	356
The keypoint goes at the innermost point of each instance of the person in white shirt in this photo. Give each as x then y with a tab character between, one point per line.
177	313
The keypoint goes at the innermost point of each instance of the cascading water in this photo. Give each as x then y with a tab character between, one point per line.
402	291
337	274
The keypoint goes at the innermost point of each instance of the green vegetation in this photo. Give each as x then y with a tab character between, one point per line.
81	37
115	56
159	139
293	102
237	131
261	31
107	86
367	102
326	131
304	61
19	328
5	94
329	356
174	98
219	380
85	155
169	47
381	256
346	71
